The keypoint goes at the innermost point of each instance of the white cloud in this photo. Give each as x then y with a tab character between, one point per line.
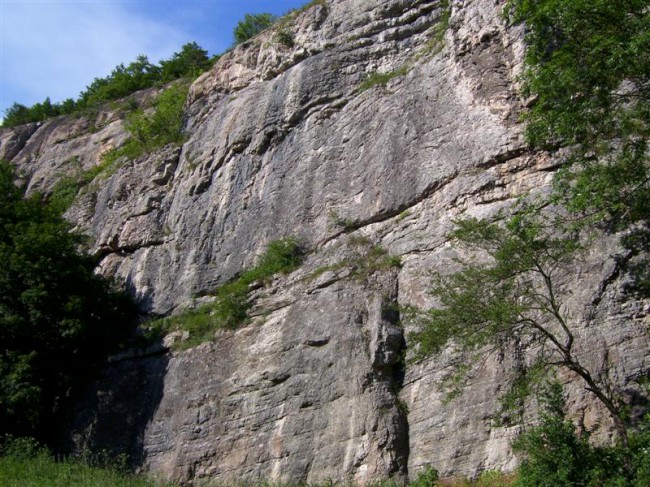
56	48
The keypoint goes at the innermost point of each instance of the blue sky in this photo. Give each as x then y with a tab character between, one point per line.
56	48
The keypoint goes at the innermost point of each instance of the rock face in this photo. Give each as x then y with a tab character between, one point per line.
289	141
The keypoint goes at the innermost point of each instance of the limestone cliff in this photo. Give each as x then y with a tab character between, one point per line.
284	141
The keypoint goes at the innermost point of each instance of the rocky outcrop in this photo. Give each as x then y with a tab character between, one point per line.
283	140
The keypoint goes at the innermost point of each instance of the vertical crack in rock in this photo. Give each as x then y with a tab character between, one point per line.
388	352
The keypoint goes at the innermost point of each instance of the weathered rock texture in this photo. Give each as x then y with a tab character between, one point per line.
281	141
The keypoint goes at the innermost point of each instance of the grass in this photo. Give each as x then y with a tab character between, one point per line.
43	471
433	46
337	221
382	79
284	37
403	215
368	258
374	259
24	463
489	478
67	188
229	309
437	37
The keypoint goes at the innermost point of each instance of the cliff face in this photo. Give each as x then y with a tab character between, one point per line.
283	141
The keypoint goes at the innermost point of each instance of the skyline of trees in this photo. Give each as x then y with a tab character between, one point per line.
123	81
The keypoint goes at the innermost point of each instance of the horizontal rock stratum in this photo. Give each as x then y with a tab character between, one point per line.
288	141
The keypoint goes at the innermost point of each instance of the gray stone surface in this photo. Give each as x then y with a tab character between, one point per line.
281	141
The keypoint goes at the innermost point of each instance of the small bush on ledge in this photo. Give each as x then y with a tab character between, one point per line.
229	310
382	79
150	131
364	259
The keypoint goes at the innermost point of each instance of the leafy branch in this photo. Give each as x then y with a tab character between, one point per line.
510	287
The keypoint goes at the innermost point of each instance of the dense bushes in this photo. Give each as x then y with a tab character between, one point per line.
191	61
58	320
555	455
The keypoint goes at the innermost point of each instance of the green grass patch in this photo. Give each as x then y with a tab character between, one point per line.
403	215
382	79
489	478
231	304
337	221
44	471
373	259
437	36
23	463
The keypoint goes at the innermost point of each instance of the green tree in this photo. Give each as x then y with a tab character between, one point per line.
587	72
68	106
122	81
554	454
17	114
509	287
252	25
58	320
191	61
587	68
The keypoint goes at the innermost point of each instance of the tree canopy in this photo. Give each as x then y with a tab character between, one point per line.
251	25
587	68
58	320
124	80
190	61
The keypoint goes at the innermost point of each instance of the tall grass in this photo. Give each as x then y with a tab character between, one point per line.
43	471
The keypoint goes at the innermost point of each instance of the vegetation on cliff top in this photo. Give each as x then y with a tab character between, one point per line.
189	62
251	25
